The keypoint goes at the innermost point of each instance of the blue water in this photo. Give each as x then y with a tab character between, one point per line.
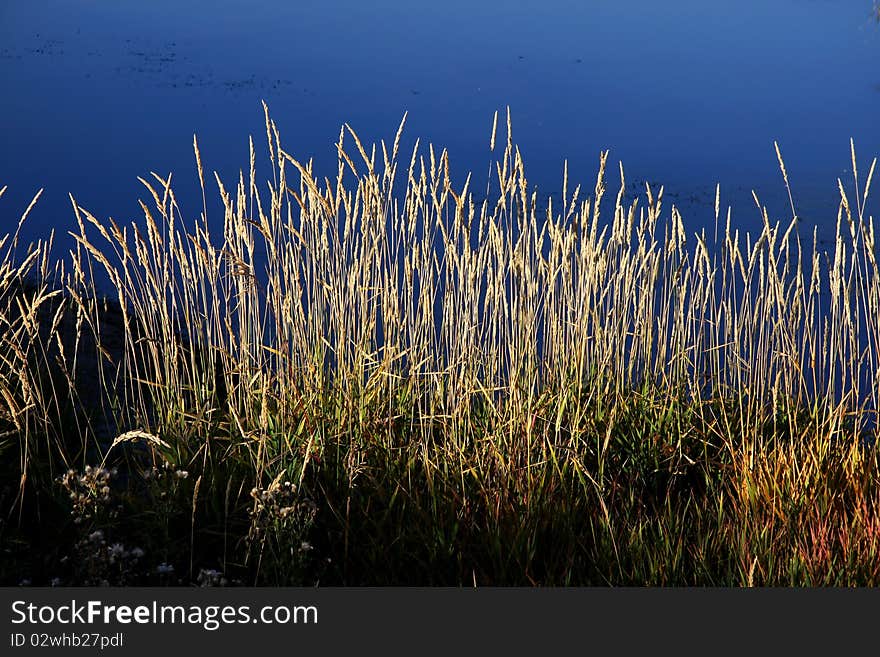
687	93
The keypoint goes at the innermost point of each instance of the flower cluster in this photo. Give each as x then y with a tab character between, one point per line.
166	470
101	563
89	492
210	578
279	506
281	521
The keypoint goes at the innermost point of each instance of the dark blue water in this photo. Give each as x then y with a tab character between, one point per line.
687	93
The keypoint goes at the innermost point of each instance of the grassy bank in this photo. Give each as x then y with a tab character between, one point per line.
376	380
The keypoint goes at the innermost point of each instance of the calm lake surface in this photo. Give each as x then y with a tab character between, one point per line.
686	93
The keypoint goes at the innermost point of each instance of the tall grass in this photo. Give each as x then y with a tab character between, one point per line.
32	401
419	387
